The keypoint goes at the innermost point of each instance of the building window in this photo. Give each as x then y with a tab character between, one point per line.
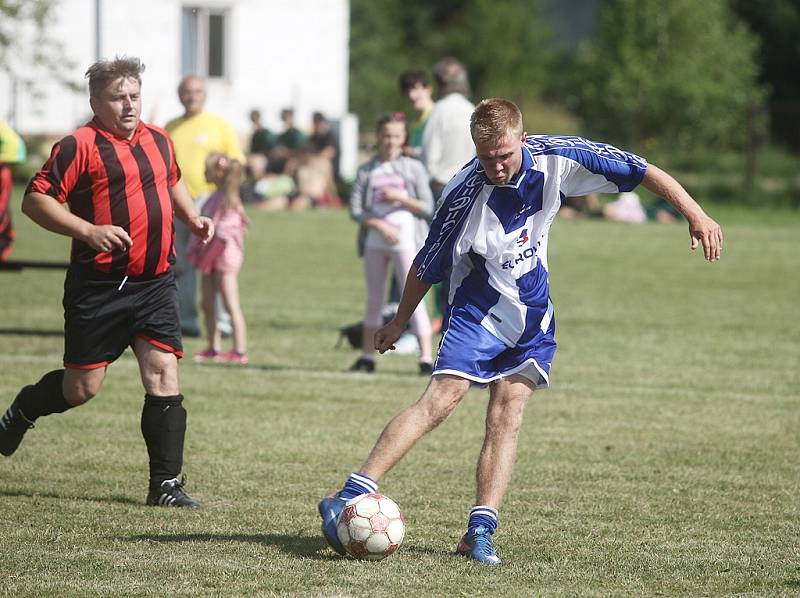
204	41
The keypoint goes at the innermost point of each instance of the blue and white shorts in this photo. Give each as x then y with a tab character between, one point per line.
470	351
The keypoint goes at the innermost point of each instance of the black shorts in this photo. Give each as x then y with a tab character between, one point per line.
101	319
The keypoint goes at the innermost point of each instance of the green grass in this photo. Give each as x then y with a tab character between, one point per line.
664	460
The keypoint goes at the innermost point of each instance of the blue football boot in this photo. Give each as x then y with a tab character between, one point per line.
329	509
477	545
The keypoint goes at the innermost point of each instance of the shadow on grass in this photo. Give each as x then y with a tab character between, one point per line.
123	500
30	332
313	547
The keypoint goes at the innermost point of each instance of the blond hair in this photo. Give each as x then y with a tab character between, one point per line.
493	119
103	72
232	178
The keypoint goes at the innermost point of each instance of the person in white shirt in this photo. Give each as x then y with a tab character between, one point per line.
446	142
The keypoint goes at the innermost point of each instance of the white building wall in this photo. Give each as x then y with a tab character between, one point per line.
281	53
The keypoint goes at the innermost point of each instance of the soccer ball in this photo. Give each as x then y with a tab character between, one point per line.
371	527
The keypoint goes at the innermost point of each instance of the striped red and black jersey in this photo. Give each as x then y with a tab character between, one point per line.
124	182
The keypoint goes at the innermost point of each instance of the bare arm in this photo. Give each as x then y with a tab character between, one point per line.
50	214
702	228
201	226
413	293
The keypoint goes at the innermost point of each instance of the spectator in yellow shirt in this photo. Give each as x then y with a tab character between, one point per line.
196	134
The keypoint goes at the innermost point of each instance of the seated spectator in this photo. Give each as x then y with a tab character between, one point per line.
580	206
323	141
262	140
291	140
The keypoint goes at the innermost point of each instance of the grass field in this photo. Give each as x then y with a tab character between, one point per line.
664	460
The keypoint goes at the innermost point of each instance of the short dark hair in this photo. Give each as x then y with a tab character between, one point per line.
412	77
390	117
102	72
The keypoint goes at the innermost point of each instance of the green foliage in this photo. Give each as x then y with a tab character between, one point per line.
679	73
663	461
495	39
25	41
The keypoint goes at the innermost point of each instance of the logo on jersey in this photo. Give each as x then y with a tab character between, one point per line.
522	256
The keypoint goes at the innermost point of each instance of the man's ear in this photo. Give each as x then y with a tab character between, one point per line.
524	135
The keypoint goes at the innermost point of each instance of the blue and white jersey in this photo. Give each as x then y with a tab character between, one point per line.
492	239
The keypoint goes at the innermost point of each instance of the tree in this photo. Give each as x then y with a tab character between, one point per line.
680	72
505	45
777	23
24	40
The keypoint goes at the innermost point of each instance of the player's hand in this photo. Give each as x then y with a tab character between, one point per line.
704	230
107	237
386	337
203	227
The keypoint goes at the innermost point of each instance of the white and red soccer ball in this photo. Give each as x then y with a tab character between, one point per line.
371	527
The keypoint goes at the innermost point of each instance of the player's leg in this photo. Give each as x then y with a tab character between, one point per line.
376	269
228	285
420	322
503	421
94	336
163	424
438	401
208	303
55	392
157	345
403	431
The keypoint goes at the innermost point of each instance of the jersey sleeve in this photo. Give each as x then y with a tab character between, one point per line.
68	161
592	167
435	258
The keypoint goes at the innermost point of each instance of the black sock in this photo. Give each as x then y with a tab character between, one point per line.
44	397
164	428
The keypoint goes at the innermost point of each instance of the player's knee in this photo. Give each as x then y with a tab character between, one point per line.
161	376
440	400
79	392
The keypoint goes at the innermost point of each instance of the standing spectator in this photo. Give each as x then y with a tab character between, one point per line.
446	142
122	183
12	151
391	200
221	259
196	134
415	85
490	237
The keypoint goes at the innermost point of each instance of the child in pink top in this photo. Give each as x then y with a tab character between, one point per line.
221	259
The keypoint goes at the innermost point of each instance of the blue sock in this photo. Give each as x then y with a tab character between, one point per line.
483	515
356	485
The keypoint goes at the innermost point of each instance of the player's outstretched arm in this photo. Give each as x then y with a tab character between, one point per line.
413	293
702	228
48	213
